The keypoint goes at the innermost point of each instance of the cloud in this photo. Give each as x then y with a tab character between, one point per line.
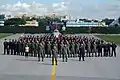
60	7
94	8
33	8
76	8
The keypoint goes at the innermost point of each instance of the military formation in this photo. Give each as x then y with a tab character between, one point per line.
65	47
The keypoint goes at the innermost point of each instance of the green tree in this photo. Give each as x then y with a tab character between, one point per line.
42	22
15	22
47	20
107	21
57	19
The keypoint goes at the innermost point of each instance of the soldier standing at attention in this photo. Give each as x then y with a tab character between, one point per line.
64	52
43	43
89	49
49	49
15	47
54	54
114	49
82	52
59	47
33	47
109	46
10	46
18	49
26	51
73	48
92	46
99	49
46	48
22	46
68	50
5	47
30	46
28	43
78	45
40	51
37	48
105	49
94	49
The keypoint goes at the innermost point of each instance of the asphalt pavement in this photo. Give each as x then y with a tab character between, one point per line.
19	68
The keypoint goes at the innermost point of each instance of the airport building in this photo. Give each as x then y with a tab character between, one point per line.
2	16
31	23
84	23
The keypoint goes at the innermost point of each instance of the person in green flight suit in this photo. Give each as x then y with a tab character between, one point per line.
36	48
64	52
54	54
40	51
33	47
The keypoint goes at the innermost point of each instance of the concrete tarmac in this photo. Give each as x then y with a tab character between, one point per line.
19	68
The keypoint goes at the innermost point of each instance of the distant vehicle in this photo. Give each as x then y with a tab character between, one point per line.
56	33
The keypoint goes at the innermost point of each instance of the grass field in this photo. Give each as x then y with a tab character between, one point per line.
2	35
110	38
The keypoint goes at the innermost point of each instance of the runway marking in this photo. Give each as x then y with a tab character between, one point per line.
53	75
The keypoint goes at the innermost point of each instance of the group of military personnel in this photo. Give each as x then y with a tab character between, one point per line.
65	47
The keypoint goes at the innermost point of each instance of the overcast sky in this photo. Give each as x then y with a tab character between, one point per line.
76	8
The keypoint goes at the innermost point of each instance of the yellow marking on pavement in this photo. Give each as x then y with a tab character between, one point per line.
53	75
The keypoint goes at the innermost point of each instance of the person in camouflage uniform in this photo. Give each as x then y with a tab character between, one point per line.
54	54
12	47
77	45
82	52
68	48
33	48
64	52
100	49
36	49
73	48
40	52
59	47
43	47
88	49
95	49
18	47
49	49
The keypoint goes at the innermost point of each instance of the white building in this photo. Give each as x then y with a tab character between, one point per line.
2	23
31	23
2	17
81	23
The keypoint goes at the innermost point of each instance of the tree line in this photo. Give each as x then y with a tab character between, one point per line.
47	21
22	21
